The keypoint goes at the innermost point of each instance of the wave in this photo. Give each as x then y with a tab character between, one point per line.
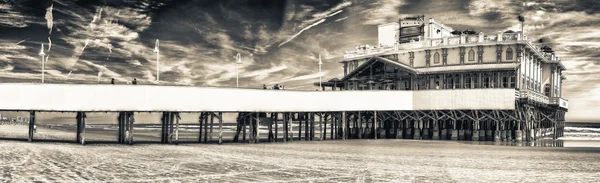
582	129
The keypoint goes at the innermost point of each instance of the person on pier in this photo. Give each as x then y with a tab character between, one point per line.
112	81
134	81
264	86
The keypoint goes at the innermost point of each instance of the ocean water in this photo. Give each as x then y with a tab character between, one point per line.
574	158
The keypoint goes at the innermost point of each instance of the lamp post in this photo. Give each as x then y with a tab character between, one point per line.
237	69
157	60
42	54
320	73
100	74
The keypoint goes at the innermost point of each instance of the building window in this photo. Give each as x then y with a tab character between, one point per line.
547	90
456	81
513	80
504	81
436	58
468	79
449	82
475	81
471	55
486	81
509	54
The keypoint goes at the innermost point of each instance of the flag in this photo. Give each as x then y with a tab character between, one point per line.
49	18
156	46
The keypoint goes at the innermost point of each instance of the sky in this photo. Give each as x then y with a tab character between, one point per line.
279	41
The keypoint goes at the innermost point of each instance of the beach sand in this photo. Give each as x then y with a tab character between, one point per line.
318	161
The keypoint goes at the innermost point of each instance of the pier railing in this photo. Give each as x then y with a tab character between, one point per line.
453	40
539	97
561	102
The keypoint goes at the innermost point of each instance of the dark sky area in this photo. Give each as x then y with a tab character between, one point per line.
279	40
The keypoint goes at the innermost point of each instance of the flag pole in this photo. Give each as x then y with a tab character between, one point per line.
157	61
42	54
237	70
320	73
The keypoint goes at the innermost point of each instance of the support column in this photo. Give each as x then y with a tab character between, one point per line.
177	118
312	126
276	126
375	130
257	140
212	126
359	128
300	117
344	129
81	127
201	120
321	131
120	120
220	127
32	127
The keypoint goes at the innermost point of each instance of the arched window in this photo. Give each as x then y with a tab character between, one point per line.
547	90
509	54
436	58
471	55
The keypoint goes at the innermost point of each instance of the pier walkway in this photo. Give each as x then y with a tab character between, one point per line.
457	114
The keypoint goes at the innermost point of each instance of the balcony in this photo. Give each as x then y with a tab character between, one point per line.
540	98
560	102
532	95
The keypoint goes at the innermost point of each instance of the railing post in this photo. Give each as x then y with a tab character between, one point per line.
499	36
481	37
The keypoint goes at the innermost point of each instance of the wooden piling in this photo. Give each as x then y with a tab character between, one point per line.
257	128
344	130
220	128
300	126
276	126
321	126
212	125
31	126
285	127
375	131
200	120
177	127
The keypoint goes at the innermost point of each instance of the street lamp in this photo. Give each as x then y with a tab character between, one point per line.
157	60
100	74
320	73
237	69
42	54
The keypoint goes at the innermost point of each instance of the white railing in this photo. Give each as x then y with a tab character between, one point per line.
561	102
454	40
437	42
472	39
533	95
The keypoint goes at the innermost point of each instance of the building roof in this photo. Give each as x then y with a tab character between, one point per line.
380	59
458	68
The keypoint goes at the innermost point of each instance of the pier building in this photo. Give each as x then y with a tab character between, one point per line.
416	54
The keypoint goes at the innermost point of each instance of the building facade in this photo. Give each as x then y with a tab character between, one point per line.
416	54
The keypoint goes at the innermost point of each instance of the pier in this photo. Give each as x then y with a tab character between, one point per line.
492	114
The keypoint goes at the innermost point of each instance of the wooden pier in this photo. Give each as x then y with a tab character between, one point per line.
427	114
